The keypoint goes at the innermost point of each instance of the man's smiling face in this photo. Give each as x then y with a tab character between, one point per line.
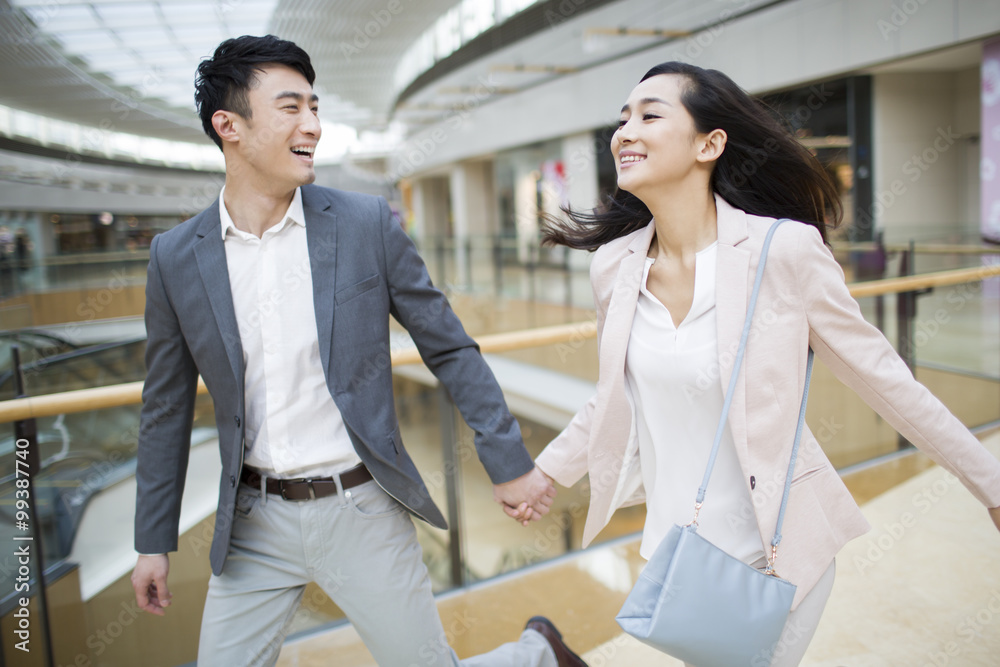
278	140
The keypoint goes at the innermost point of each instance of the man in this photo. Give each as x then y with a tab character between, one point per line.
279	296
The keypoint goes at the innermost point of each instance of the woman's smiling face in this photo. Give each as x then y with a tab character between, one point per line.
655	141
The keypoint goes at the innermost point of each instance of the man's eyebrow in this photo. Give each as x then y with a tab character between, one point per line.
296	96
647	100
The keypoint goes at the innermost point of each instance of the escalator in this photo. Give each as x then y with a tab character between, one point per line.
91	437
81	454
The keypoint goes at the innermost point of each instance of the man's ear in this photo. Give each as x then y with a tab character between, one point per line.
711	145
227	125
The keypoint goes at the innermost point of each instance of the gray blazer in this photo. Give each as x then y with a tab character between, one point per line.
364	269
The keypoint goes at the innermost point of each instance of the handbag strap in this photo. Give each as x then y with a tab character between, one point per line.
737	368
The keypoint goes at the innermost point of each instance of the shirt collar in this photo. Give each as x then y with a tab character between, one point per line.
295	212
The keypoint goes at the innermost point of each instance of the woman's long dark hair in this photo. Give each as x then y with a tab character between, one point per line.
763	170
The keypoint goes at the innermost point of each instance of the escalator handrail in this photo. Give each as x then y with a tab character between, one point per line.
72	355
17	333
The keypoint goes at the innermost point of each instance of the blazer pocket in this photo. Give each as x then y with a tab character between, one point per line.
809	473
357	289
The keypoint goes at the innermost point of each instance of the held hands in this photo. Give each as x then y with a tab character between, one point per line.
527	498
149	579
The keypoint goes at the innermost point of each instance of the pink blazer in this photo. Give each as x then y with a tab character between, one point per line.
803	301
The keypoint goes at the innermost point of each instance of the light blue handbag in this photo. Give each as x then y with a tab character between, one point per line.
696	602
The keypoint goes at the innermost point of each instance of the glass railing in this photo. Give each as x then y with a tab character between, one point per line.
85	454
110	271
34	346
81	453
506	267
947	333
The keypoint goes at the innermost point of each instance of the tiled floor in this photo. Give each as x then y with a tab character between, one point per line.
923	588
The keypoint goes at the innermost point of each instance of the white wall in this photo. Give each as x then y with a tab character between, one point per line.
473	201
787	45
430	207
968	121
473	208
580	158
926	127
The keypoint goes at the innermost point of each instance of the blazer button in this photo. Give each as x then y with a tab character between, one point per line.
237	418
232	481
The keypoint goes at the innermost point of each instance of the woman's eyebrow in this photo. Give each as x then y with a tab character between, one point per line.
647	100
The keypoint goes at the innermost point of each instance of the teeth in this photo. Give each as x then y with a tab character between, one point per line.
308	150
632	158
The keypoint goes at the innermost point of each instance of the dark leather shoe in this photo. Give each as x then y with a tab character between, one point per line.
564	656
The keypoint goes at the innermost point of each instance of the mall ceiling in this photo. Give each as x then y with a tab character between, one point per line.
129	65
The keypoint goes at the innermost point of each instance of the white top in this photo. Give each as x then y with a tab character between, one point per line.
672	380
293	427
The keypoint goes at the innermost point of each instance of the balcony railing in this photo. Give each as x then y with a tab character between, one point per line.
465	553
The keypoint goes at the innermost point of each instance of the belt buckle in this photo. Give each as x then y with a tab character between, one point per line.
308	482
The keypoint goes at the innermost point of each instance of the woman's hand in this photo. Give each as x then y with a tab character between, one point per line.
527	498
995	515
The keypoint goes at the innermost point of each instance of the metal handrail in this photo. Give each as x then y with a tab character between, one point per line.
923	281
84	400
919	248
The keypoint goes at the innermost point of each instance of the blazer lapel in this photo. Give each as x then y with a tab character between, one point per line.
732	294
621	307
210	254
609	442
321	236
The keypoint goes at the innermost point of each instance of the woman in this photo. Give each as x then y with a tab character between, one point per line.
703	171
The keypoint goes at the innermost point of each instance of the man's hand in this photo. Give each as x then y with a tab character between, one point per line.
995	515
527	498
149	579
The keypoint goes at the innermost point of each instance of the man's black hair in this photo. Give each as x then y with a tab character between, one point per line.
224	79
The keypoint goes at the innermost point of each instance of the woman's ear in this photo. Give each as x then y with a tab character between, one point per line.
711	145
226	125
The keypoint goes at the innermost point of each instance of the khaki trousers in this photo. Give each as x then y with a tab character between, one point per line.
360	547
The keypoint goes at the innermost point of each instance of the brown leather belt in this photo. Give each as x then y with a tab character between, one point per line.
308	488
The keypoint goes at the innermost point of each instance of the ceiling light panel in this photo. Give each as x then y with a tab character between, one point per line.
56	19
252	10
199	33
171	71
89	42
113	61
153	46
143	79
244	26
137	15
145	40
186	13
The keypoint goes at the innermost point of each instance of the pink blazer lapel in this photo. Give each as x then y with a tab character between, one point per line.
609	440
621	307
732	293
